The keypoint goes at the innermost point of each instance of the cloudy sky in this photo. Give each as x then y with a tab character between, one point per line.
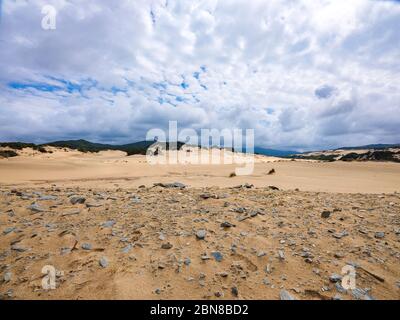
304	74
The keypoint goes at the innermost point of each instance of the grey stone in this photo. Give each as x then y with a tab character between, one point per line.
217	256
379	235
340	235
18	248
7	277
235	291
77	199
103	262
284	295
177	185
9	230
109	224
93	204
127	248
34	207
227	224
201	234
339	287
86	246
335	278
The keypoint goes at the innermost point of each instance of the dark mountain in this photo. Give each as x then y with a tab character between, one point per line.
273	152
87	146
372	146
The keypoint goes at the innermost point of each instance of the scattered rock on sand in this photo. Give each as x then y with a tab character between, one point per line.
7	277
227	224
201	234
103	262
325	214
335	278
284	295
166	246
108	224
217	256
379	235
34	207
86	246
77	199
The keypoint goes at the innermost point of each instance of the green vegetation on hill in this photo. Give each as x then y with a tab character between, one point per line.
131	148
7	154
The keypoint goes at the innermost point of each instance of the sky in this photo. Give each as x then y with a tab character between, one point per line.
304	74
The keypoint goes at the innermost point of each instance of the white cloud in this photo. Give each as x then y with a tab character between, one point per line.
123	68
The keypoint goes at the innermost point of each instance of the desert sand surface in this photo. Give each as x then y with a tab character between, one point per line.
111	234
111	169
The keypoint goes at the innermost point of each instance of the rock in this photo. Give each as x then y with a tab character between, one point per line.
339	287
201	234
227	224
235	291
18	248
93	204
273	188
77	199
187	261
34	207
261	254
7	277
47	198
325	214
205	196
253	214
127	249
166	246
217	256
335	278
284	295
337	297
9	230
136	199
86	246
71	212
359	293
103	262
338	255
177	185
108	224
340	235
379	235
281	255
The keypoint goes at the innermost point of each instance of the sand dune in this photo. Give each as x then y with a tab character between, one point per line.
111	168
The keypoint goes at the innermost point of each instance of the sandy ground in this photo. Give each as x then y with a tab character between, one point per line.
129	242
113	169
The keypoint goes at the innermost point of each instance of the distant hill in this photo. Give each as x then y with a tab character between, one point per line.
273	152
371	146
375	152
87	146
